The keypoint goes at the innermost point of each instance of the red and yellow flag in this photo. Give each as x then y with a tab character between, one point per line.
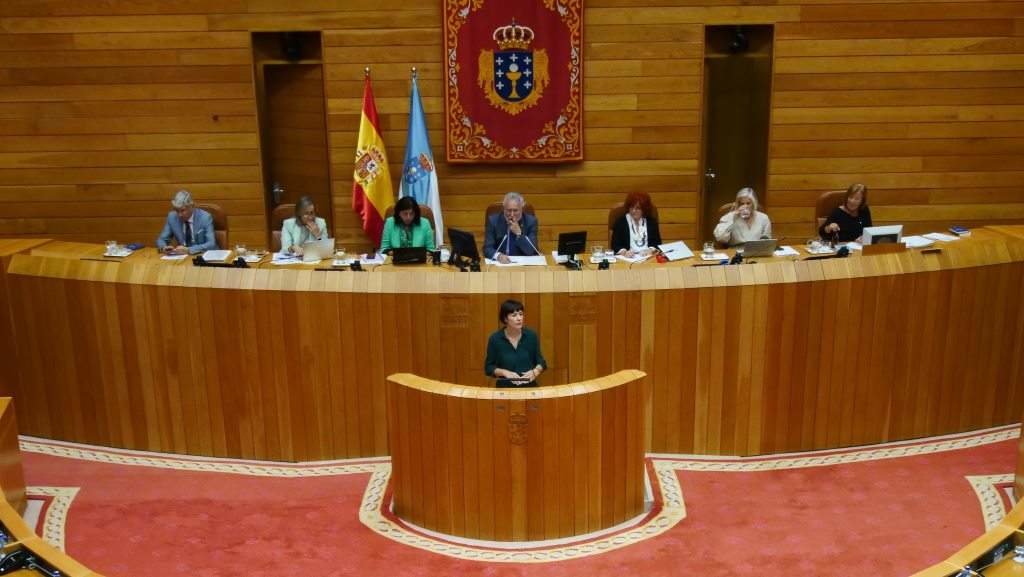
371	188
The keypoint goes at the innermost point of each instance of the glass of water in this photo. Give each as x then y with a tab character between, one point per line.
111	246
241	250
709	247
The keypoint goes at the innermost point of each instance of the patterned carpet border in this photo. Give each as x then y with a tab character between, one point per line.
988	488
55	516
667	511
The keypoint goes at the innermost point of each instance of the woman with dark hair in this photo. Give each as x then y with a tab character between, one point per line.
848	221
637	230
513	351
305	227
405	228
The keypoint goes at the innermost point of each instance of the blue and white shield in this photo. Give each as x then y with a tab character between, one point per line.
513	74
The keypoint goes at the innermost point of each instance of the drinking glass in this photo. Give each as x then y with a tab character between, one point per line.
597	251
339	253
446	252
241	250
111	246
709	247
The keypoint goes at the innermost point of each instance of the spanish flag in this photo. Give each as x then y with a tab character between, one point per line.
371	188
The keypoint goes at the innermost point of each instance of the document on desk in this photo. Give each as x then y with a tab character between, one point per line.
676	250
786	250
914	241
285	258
559	258
174	257
633	259
375	260
216	255
941	236
538	260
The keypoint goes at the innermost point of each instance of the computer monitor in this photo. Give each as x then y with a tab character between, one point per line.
572	243
891	234
463	245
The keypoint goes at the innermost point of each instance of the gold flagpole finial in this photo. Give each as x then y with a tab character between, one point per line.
366	72
414	73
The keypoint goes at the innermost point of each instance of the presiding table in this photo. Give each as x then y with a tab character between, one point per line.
290	363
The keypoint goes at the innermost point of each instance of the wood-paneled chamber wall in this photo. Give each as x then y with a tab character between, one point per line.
107	107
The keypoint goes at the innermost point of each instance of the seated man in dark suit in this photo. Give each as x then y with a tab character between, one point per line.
188	230
511	232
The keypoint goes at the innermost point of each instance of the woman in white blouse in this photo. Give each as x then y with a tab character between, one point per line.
744	222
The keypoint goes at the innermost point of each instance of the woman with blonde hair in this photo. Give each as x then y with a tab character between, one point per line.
744	222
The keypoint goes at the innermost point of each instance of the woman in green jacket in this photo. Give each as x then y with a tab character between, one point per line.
405	228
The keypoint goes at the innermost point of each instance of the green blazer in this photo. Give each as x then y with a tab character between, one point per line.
394	236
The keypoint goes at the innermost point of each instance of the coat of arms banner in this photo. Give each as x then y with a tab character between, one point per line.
513	80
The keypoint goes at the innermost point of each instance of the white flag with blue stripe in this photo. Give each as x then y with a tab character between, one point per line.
419	179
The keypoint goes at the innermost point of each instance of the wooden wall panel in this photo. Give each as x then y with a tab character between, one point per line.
122	103
763	358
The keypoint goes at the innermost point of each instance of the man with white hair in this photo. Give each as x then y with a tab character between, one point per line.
188	230
511	232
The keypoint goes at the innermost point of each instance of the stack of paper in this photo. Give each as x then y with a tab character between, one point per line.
285	258
174	257
634	259
914	241
538	260
713	256
216	255
941	236
786	251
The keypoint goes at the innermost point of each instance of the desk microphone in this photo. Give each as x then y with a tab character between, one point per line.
504	240
535	249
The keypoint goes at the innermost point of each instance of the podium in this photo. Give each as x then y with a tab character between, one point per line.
517	464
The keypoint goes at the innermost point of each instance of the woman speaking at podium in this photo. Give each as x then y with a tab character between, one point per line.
513	351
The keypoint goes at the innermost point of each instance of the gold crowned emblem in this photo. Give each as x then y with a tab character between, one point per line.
368	165
513	37
514	77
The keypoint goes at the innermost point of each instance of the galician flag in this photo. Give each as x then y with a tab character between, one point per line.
419	179
372	192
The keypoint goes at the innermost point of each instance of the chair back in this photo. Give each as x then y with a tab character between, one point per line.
425	212
281	213
220	223
827	202
497	207
616	213
725	208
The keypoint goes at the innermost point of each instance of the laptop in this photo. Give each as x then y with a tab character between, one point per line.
763	247
409	255
318	250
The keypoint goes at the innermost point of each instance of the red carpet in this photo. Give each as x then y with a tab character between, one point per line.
805	518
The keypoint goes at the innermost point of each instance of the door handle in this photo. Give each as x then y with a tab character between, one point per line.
710	174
